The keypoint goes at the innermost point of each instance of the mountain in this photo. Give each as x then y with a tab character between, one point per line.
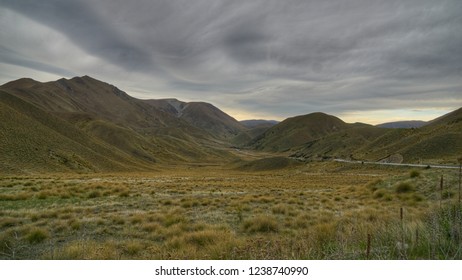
439	141
259	123
403	124
297	131
83	124
201	115
319	136
345	144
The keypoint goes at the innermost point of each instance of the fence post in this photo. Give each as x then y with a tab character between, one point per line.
441	190
368	248
460	175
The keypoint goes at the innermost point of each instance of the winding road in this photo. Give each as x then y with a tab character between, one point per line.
400	164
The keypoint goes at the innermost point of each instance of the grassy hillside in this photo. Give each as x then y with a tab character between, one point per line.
438	142
342	144
202	115
319	136
125	133
85	125
296	131
35	141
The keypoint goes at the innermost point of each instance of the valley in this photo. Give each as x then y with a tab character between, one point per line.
89	172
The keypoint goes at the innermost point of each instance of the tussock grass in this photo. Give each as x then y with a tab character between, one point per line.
404	187
414	174
37	235
261	224
314	213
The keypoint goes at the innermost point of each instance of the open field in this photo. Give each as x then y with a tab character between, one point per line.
315	211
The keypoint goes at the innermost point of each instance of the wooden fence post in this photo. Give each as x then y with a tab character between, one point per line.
441	190
368	248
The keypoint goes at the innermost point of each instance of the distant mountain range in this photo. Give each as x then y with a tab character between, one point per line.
403	124
86	125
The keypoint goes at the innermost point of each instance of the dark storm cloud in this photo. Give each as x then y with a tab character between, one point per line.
280	57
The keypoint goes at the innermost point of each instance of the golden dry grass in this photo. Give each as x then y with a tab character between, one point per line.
317	211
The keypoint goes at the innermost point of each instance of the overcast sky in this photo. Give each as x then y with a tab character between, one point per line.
361	60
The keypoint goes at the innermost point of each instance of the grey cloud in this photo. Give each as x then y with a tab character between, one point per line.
286	56
78	21
11	57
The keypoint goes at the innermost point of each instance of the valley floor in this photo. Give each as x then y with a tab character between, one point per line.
317	211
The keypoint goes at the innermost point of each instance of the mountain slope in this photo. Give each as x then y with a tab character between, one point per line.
296	131
346	144
258	123
440	141
127	133
201	115
319	136
403	124
36	141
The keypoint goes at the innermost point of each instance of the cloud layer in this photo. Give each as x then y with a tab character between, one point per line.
260	58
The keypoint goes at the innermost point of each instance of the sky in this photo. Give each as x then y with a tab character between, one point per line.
367	61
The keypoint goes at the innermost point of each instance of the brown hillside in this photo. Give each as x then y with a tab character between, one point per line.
202	115
101	117
438	142
297	131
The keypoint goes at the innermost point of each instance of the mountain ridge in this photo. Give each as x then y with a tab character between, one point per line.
127	129
403	124
86	125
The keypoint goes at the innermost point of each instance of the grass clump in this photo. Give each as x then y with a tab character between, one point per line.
373	185
9	222
37	235
404	187
380	193
414	174
94	194
261	224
